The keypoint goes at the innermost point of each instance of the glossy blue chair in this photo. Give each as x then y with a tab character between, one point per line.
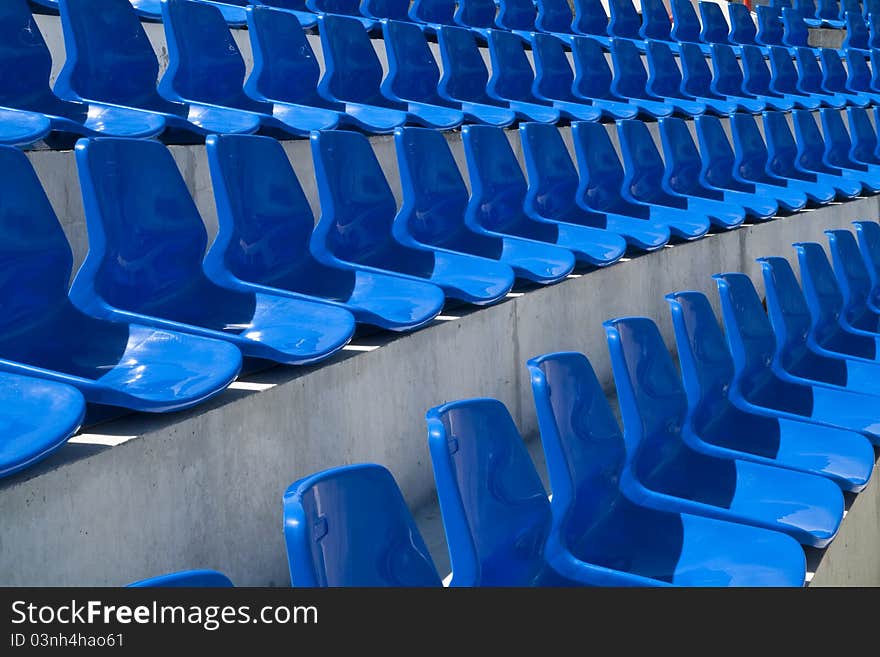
656	24
498	190
838	147
630	81
665	80
121	364
811	149
592	79
554	81
784	79
859	78
644	171
20	128
863	137
855	285
232	10
553	191
835	76
146	244
206	70
262	245
306	18
717	426
868	237
874	29
478	15
286	74
110	63
624	21
353	74
756	385
38	417
742	28
697	80
350	8
554	16
432	13
413	76
714	26
829	12
185	579
624	542
664	473
517	16
770	29
810	79
757	77
686	26
355	231
590	20
728	80
856	37
795	32
350	526
720	171
25	66
432	215
808	11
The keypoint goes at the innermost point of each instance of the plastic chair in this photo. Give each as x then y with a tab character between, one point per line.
874	30
755	383
630	81
811	149
770	29
643	172
664	473
554	16
498	190
19	128
719	171
512	79
350	8
553	191
870	7
38	417
834	79
838	147
478	15
685	24
697	80
810	79
656	24
185	579
756	80
624	21
434	208
286	73
433	13
232	10
742	28
855	285
682	176
25	65
122	364
714	26
728	80
795	32
856	37
353	74
859	77
853	6
128	273
592	79
717	426
864	139
554	81
808	10
784	79
307	18
868	237
517	15
590	20
829	12
623	541
355	229
350	526
665	79
110	63
265	223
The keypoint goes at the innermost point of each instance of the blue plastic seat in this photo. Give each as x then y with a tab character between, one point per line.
718	426
630	81
874	30
720	171
265	223
624	21
838	147
141	219
856	37
811	149
868	237
834	79
756	385
859	77
808	11
433	13
810	79
863	137
353	74
554	16
795	32
656	23
728	80
355	231
350	526
714	26
686	26
307	18
665	80
38	417
474	14
25	66
185	579
697	80
517	15
553	191
122	364
232	10
621	541
206	70
742	28
590	20
770	29
756	80
592	79
784	79
829	12
644	172
498	190
350	8
859	313
665	473
110	63
554	81
19	128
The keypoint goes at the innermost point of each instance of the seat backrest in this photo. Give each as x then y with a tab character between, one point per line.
440	12
397	10
413	73
806	7
185	579
350	526
786	306
340	7
517	15
664	78
874	28
875	69
794	29
728	78
146	237
512	75
821	289
265	221
858	74
681	157
852	275
465	74
553	178
864	138
756	75
655	21
475	13
642	163
695	72
630	77
810	144
856	31
837	142
285	66
590	17
770	28
685	24
749	147
554	16
495	509
715	28
25	60
108	55
553	74
352	70
809	73
782	150
742	27
833	71
592	74
868	235
783	74
828	9
718	159
625	21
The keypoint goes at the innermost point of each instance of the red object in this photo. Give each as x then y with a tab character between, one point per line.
748	4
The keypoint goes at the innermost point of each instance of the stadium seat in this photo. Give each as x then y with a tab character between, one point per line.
554	81
621	541
350	8
714	26
434	210
838	147
554	16
829	12
807	9
756	80
38	417
265	223
498	190
477	15
795	33
682	177
782	155
206	70
868	237
656	24
720	170
25	66
664	473
396	10
863	137
784	79
857	35
518	16
665	79
630	81
353	74
624	21
286	73
592	79
232	10
742	28
306	18
855	286
685	24
698	81
770	29
834	79
717	426
644	171
111	63
185	579
752	343
355	231
431	14
146	245
859	77
728	80
810	79
350	526
19	128
554	190
874	30
121	364
811	158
